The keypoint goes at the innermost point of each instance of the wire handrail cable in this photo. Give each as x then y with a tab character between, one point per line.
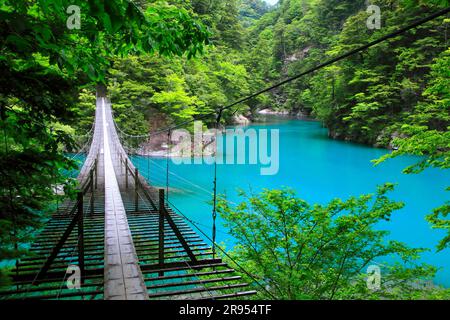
223	251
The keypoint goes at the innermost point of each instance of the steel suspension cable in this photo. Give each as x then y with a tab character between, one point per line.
207	192
87	133
148	160
214	212
167	165
258	93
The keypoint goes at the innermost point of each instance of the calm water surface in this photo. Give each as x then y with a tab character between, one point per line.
319	169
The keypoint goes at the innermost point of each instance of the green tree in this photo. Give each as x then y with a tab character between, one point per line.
252	10
426	133
222	17
303	251
379	88
44	64
175	101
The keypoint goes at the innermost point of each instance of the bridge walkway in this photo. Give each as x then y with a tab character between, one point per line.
124	237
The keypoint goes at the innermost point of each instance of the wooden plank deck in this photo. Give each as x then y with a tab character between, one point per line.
125	256
123	276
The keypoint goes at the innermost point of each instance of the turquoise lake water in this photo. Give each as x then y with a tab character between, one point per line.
319	169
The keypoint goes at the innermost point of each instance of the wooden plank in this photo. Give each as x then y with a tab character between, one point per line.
123	277
172	266
57	248
190	275
193	282
196	290
230	295
179	236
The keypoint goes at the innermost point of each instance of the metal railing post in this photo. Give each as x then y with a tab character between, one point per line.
162	214
92	191
81	235
136	185
96	173
126	173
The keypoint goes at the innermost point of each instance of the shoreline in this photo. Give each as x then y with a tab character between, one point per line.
162	153
266	116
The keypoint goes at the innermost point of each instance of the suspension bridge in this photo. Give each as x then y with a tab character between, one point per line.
121	237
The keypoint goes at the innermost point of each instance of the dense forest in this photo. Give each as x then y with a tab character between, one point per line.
367	98
201	55
394	95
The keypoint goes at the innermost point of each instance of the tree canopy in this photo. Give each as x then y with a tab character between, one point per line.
168	62
44	66
302	251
